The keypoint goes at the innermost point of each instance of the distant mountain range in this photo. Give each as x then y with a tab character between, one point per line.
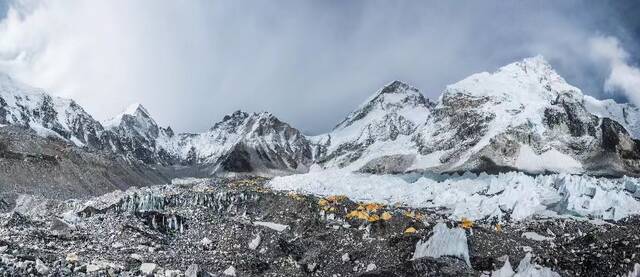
523	117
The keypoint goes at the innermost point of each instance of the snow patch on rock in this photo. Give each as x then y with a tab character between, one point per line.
271	225
535	236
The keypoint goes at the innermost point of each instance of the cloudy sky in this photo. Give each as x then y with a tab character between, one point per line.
308	62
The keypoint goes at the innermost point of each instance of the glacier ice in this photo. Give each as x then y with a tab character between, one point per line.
444	242
479	196
528	269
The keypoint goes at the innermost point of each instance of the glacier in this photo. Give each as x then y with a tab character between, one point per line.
506	196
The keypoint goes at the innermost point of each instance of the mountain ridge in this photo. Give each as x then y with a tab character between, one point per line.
520	117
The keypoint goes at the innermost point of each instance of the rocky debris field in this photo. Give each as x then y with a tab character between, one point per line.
30	164
239	227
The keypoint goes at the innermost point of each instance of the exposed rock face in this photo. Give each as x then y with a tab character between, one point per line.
621	152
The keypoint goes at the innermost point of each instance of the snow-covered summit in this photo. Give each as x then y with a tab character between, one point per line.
135	110
392	113
532	79
524	117
395	97
231	121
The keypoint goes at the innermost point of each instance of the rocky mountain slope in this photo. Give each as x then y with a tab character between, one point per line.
30	164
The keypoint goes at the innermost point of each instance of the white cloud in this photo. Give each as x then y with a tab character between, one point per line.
623	76
103	54
308	62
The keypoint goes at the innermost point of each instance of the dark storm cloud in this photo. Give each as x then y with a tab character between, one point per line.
308	62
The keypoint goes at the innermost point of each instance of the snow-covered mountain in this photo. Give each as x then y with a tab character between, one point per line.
624	113
243	142
522	117
382	124
526	117
136	133
258	143
49	116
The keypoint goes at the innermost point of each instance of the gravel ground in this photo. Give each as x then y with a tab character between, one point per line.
238	227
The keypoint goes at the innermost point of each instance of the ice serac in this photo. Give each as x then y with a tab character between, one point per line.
523	117
135	133
377	131
257	143
33	108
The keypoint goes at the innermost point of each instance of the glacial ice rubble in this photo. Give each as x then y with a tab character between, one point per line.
483	196
444	242
525	269
505	271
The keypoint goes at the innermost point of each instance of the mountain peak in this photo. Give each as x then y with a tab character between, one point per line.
392	92
536	61
235	116
396	87
240	116
265	115
137	109
231	121
530	78
395	97
533	66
